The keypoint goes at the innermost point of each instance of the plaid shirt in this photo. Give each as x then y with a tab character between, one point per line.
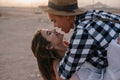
89	42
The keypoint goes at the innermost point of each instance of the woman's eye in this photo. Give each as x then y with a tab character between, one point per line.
48	33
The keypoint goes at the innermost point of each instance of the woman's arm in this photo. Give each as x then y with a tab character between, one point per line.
55	65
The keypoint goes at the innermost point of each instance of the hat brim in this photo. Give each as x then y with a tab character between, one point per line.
63	13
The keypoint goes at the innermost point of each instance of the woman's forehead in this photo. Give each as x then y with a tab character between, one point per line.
43	32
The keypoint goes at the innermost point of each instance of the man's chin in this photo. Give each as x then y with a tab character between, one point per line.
65	31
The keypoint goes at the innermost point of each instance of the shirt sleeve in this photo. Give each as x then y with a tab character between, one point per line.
80	46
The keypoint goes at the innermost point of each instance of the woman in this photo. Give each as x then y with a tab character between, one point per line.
49	47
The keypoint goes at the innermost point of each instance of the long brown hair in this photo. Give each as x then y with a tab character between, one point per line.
44	56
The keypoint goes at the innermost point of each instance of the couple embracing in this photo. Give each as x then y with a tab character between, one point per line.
84	57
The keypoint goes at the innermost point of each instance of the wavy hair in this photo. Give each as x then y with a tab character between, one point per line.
44	56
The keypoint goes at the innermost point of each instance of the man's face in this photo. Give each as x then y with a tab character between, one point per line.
63	22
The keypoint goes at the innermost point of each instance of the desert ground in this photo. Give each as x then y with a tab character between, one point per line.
17	26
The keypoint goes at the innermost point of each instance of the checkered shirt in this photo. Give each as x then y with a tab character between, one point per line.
89	42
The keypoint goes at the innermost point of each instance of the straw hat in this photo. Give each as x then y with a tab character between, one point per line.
63	7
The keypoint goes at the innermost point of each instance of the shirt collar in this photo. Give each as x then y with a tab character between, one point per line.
79	17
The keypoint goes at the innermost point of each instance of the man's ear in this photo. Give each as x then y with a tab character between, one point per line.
49	47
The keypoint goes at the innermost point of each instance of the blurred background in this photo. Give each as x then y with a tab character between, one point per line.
35	3
19	19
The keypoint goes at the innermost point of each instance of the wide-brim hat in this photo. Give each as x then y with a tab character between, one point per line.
63	7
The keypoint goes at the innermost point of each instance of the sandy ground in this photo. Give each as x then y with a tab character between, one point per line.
16	31
17	26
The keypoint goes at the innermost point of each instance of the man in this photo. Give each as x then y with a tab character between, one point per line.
93	31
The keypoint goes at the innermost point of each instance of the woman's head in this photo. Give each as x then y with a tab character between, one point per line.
43	46
55	38
46	40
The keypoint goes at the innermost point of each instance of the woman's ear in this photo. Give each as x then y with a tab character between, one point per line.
49	47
